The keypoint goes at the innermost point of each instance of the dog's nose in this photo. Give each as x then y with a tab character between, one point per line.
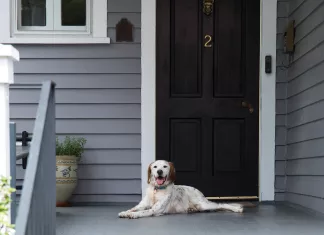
160	172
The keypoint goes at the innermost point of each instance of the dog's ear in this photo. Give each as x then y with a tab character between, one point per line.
149	172
172	174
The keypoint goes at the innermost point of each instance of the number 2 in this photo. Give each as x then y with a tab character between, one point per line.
208	42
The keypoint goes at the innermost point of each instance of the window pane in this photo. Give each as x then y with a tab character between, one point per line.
73	12
33	12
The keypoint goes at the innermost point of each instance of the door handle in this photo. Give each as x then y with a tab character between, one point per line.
247	105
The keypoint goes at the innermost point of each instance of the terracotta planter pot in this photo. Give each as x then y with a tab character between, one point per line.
66	178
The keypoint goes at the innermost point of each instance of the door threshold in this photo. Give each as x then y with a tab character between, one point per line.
234	198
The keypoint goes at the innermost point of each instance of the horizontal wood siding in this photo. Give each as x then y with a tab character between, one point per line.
281	104
305	107
98	97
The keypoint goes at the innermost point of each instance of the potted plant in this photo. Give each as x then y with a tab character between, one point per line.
5	192
68	155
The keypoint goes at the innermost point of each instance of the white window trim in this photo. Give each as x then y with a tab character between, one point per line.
98	24
267	95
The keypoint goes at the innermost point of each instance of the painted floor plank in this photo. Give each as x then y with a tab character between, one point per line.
265	220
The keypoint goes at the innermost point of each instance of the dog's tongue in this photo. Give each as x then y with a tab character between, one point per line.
159	181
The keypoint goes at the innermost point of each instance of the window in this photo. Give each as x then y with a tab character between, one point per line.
52	15
54	21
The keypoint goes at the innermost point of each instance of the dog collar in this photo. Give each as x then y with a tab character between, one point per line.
160	187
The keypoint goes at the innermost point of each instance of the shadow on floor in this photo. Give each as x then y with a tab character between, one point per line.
262	220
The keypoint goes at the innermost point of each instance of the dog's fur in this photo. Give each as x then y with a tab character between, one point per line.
167	198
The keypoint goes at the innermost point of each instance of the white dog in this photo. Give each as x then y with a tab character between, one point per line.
163	197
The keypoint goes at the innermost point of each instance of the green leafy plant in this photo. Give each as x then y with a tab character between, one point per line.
5	192
70	146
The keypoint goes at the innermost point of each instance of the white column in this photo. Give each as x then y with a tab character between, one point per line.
8	55
148	87
267	130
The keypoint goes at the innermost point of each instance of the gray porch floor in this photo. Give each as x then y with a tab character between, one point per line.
263	220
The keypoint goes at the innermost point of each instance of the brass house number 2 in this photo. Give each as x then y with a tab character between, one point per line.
208	40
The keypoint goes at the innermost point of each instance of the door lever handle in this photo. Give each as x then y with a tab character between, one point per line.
248	106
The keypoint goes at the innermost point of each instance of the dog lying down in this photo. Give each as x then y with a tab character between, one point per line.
163	197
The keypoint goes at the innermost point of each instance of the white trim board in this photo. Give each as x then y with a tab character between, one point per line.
267	94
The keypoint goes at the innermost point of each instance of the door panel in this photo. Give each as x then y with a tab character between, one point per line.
227	157
185	143
185	82
204	74
228	61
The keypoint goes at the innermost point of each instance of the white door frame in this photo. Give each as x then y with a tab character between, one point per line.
267	93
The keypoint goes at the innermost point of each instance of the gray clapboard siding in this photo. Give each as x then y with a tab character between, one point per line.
113	51
306	81
98	96
305	105
309	131
311	59
101	172
280	184
281	73
94	126
116	187
65	81
78	96
124	6
110	141
134	18
310	40
116	157
306	149
305	167
304	11
79	66
281	105
310	22
294	5
75	111
281	153
94	198
306	185
307	114
306	98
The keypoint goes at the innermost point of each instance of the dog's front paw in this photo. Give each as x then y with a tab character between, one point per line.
192	210
123	214
132	216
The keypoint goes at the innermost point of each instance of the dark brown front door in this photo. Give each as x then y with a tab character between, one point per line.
207	93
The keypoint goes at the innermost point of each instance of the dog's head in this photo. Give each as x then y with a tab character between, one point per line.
160	173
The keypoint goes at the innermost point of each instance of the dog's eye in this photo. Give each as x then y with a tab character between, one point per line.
154	166
165	166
